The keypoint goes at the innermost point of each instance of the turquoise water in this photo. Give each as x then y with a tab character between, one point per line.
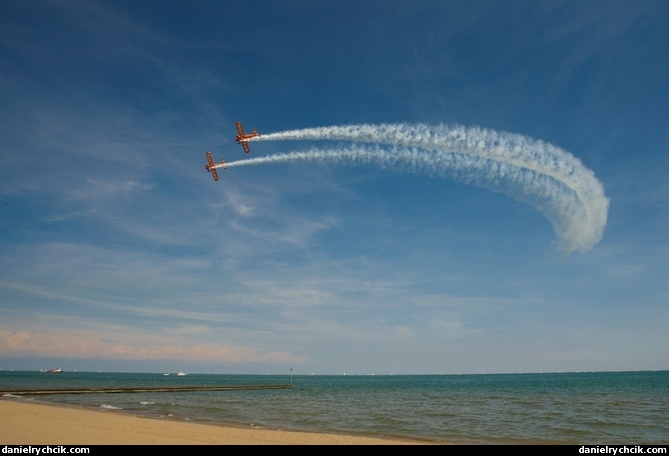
571	408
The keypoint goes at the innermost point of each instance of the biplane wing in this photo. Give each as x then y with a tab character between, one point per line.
240	131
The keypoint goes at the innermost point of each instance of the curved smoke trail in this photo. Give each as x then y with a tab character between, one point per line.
543	175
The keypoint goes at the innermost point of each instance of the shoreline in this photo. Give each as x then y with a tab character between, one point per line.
39	423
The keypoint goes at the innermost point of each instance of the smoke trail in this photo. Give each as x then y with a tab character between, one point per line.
543	175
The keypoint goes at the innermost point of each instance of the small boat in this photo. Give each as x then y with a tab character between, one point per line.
166	374
57	370
181	374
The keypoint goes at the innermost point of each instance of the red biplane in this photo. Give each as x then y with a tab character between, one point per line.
243	139
211	166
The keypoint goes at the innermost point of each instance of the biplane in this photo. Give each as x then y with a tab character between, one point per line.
211	166
243	138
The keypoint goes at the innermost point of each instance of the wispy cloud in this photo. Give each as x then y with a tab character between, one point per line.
98	189
24	343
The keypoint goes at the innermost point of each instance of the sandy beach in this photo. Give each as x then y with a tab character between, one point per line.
24	423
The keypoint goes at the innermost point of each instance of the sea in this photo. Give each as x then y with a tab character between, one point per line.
586	408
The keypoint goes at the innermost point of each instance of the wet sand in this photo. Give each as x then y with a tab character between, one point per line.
25	423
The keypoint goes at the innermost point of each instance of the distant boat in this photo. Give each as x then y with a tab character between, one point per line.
181	374
57	370
166	375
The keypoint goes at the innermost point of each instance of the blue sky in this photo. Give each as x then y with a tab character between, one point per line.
118	251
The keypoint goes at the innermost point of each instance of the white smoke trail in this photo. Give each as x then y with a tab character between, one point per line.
538	173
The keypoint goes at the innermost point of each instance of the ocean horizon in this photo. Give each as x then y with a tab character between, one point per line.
532	408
